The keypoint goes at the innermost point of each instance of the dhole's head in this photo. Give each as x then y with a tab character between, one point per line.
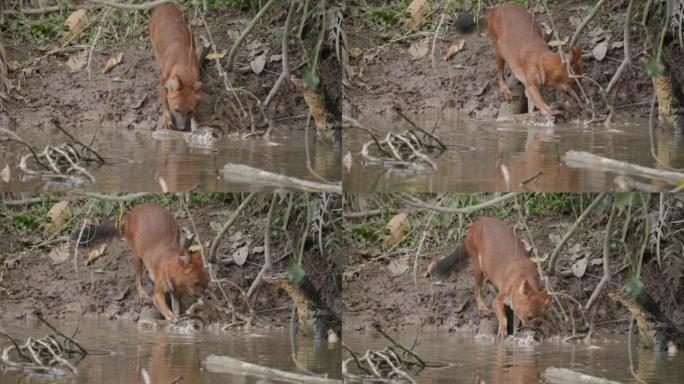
194	277
183	99
528	303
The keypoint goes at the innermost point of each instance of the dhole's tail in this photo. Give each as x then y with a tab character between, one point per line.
445	266
467	22
94	233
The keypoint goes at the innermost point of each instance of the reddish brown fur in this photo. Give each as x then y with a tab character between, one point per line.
518	42
174	48
153	235
497	255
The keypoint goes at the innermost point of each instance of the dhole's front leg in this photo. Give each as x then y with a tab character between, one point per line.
175	304
501	314
160	301
166	116
532	92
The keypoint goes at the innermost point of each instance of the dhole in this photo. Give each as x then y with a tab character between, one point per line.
174	48
153	235
496	254
518	42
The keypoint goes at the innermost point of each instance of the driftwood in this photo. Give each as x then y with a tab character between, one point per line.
246	174
588	160
567	376
225	364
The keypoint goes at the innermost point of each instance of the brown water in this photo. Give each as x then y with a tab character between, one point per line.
523	149
180	165
165	356
469	358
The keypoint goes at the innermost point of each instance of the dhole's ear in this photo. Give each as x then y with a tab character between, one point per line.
546	298
524	288
197	85
173	84
428	272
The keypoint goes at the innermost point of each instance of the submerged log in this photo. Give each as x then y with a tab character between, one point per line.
225	364
588	160
246	174
567	376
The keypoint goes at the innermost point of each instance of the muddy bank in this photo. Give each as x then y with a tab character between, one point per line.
375	295
386	74
32	280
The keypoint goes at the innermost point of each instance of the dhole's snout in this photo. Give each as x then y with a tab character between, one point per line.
181	121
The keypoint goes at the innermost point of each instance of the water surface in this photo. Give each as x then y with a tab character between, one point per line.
482	361
478	148
138	159
166	356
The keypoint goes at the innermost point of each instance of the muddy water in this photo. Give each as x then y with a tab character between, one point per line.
470	358
166	356
139	158
523	149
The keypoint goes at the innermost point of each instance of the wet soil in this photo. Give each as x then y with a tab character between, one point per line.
373	295
387	76
31	281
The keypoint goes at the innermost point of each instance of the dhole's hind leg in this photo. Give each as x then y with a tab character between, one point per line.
479	277
505	92
138	267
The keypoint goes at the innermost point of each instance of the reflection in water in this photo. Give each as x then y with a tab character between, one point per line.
166	356
525	150
183	167
478	361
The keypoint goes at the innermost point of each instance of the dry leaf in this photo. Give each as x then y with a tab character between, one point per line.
215	226
112	62
75	23
257	65
557	43
216	55
355	52
540	259
399	266
95	253
617	44
599	51
5	174
236	236
258	249
195	248
420	48
580	267
240	256
275	58
57	216
397	227
454	49
418	11
78	61
597	261
59	254
13	65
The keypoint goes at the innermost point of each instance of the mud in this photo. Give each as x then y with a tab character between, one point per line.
373	295
30	281
386	75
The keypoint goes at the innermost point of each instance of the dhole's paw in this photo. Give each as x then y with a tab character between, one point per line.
145	299
506	94
484	311
502	332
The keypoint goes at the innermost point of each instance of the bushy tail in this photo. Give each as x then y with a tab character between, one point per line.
94	233
467	22
444	267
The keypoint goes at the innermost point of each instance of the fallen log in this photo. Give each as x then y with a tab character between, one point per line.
567	376
579	159
225	364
